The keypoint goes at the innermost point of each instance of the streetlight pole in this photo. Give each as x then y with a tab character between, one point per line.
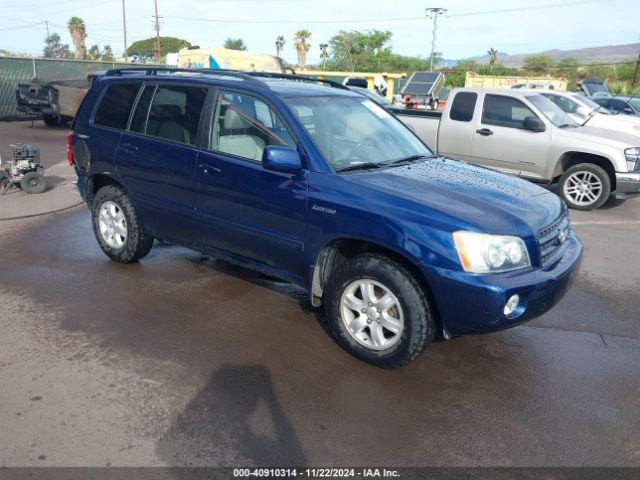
157	25
124	31
434	13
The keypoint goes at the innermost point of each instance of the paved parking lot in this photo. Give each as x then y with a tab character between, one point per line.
183	360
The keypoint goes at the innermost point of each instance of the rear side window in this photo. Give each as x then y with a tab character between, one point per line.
175	113
139	120
463	106
115	106
504	111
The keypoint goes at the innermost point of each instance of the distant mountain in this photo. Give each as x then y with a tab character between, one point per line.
608	54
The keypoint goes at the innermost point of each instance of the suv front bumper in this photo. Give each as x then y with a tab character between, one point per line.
471	303
628	183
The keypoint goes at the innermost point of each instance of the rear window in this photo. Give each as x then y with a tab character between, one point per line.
115	106
464	103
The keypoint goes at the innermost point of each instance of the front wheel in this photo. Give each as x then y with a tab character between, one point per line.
117	227
377	311
33	182
585	186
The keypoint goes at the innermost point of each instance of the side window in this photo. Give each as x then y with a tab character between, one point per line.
618	105
504	111
175	113
243	125
139	120
463	106
565	104
114	109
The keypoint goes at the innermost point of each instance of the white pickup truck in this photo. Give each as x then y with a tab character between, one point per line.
524	133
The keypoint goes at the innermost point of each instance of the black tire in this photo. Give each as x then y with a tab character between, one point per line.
4	181
574	201
33	182
137	242
419	325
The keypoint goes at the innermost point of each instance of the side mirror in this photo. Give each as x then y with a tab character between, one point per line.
534	124
279	158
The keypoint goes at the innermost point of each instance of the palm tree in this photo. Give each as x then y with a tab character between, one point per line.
235	44
493	57
279	45
324	54
78	32
301	38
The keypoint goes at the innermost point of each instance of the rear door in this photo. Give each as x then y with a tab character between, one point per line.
156	157
456	129
241	207
500	140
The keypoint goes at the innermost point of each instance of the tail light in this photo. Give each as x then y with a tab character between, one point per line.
70	160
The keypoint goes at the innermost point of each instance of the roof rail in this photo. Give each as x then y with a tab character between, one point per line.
252	77
153	71
301	78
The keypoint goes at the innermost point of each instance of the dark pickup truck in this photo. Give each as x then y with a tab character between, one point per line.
56	102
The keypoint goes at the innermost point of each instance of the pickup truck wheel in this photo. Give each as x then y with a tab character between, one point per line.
52	120
585	186
117	227
377	311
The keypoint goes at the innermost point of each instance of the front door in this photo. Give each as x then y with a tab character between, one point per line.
157	156
241	207
500	140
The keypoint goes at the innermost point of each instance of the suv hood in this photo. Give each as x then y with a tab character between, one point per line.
472	196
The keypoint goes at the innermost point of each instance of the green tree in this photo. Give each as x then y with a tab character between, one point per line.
360	51
144	50
280	41
539	64
78	32
234	44
107	54
93	53
568	68
54	49
301	42
324	54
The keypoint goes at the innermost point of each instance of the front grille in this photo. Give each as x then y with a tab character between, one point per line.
552	238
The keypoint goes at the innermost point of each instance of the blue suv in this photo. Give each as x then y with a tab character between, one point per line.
304	180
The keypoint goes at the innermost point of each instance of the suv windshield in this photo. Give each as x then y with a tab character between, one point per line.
352	131
552	111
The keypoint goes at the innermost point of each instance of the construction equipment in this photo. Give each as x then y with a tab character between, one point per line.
22	169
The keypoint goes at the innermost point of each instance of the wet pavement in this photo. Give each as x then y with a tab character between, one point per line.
184	360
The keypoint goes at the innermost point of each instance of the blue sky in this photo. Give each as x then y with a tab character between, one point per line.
467	31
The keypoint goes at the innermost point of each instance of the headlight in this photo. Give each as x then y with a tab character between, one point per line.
633	158
483	253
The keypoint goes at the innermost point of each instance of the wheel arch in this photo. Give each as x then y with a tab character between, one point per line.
569	159
339	250
97	181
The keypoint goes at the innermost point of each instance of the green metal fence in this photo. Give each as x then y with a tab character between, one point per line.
21	70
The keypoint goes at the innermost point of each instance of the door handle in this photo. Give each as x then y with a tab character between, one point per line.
209	169
485	132
127	147
82	136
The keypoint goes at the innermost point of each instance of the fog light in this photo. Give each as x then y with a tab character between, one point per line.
511	305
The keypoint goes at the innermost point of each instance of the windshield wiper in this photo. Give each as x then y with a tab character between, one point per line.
410	158
360	166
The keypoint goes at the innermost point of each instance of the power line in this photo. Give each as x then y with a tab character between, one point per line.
399	19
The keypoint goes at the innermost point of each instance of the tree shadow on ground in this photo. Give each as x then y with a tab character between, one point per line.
235	418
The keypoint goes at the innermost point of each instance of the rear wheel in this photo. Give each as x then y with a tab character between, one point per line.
117	227
585	186
52	120
33	182
377	311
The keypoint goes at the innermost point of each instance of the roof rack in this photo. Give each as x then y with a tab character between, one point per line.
252	77
153	71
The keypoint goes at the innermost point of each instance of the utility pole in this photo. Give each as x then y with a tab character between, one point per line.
434	13
157	25
124	31
46	22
